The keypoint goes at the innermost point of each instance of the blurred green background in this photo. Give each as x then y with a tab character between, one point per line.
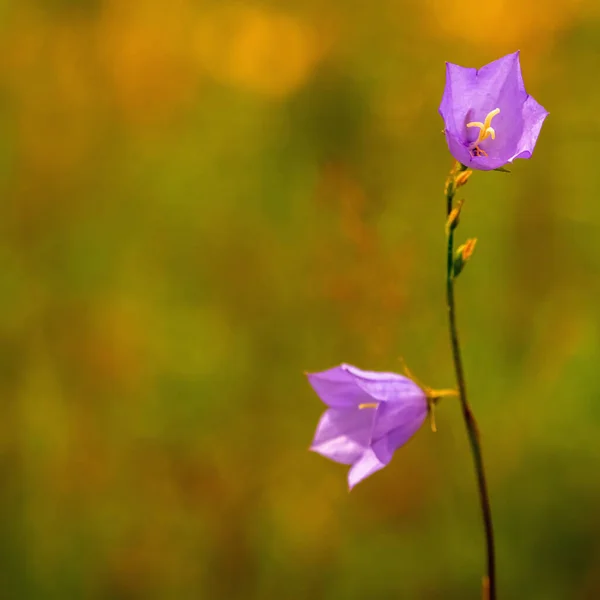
203	200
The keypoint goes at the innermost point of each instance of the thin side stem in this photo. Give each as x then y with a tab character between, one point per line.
489	585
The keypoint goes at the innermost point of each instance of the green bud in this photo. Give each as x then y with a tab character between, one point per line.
452	222
462	256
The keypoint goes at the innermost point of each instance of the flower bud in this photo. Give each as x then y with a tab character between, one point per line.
463	254
462	178
452	222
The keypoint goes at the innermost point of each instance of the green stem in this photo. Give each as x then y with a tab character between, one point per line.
470	422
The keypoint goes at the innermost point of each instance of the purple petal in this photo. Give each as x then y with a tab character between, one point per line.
534	115
385	447
503	83
381	451
344	435
460	152
347	386
406	415
455	104
498	77
337	388
365	466
382	386
370	375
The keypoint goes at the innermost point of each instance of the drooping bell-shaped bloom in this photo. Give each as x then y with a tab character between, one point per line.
370	415
489	118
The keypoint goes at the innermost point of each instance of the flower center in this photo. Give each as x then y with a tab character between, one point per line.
485	131
368	405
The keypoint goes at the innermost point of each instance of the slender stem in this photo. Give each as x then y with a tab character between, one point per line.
470	422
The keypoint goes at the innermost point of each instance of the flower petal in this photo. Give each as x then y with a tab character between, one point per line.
383	386
365	466
455	103
381	452
534	115
403	418
337	388
344	434
459	150
347	386
498	77
503	83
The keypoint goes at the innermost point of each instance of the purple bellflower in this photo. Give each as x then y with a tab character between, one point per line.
369	416
489	118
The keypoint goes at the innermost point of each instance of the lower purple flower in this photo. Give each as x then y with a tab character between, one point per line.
370	416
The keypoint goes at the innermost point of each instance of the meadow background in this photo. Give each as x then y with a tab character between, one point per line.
202	200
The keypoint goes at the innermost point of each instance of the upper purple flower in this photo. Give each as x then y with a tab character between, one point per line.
370	416
489	118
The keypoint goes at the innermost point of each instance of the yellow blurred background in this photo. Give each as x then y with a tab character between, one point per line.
203	200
